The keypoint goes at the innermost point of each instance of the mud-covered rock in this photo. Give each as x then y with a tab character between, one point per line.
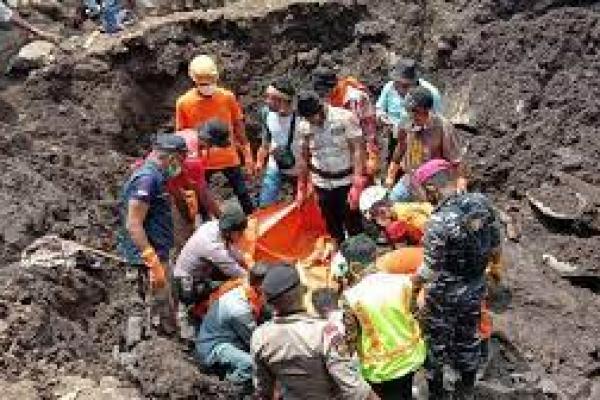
33	55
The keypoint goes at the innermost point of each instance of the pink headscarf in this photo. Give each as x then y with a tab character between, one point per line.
429	169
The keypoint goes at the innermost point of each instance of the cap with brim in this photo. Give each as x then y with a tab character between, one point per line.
324	79
280	279
215	133
361	249
404	69
169	142
233	218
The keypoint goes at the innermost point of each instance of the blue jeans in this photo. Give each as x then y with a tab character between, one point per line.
400	193
271	186
236	363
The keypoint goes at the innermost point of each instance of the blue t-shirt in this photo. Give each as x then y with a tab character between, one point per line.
147	184
392	104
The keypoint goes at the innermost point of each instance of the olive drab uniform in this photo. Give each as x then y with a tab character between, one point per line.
459	240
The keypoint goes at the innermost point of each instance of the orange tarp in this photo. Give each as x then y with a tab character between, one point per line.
284	232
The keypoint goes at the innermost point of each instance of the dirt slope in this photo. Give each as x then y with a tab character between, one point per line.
529	71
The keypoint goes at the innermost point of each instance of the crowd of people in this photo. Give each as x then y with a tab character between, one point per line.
386	175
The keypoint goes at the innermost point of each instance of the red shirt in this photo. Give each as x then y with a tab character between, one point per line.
192	177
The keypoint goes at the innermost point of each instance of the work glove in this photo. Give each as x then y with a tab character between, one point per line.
191	200
248	159
156	271
359	183
372	164
390	179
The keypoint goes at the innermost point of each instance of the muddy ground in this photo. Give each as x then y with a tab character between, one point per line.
527	70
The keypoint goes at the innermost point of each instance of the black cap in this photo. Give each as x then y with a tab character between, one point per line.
233	218
419	97
215	133
324	79
169	142
361	249
309	104
280	279
405	69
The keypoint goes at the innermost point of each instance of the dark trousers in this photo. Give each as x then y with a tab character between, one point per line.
237	181
397	389
338	216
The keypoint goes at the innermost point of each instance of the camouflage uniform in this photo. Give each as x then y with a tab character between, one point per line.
459	240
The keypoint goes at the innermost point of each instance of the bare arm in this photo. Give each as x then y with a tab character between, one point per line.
136	214
209	202
239	133
357	147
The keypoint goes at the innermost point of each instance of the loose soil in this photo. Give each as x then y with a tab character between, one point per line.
527	71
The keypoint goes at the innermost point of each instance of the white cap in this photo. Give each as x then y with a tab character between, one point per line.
370	196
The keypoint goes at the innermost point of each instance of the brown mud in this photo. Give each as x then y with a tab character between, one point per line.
527	71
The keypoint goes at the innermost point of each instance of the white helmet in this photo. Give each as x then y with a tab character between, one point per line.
370	196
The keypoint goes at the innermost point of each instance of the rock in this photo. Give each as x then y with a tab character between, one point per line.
33	55
549	388
109	388
569	159
23	390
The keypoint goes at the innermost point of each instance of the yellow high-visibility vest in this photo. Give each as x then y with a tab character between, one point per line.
390	343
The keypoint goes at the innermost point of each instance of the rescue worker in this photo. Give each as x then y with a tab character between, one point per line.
190	187
391	105
300	352
11	16
147	237
279	150
405	221
461	239
379	325
210	257
332	150
426	136
223	338
349	93
207	101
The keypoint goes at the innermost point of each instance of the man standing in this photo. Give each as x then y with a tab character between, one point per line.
461	239
207	101
147	237
379	325
223	339
8	15
426	136
391	105
349	93
332	149
279	149
301	352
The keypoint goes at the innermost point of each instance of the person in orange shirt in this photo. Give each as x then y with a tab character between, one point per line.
207	101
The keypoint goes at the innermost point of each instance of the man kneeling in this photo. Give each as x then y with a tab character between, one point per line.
223	340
